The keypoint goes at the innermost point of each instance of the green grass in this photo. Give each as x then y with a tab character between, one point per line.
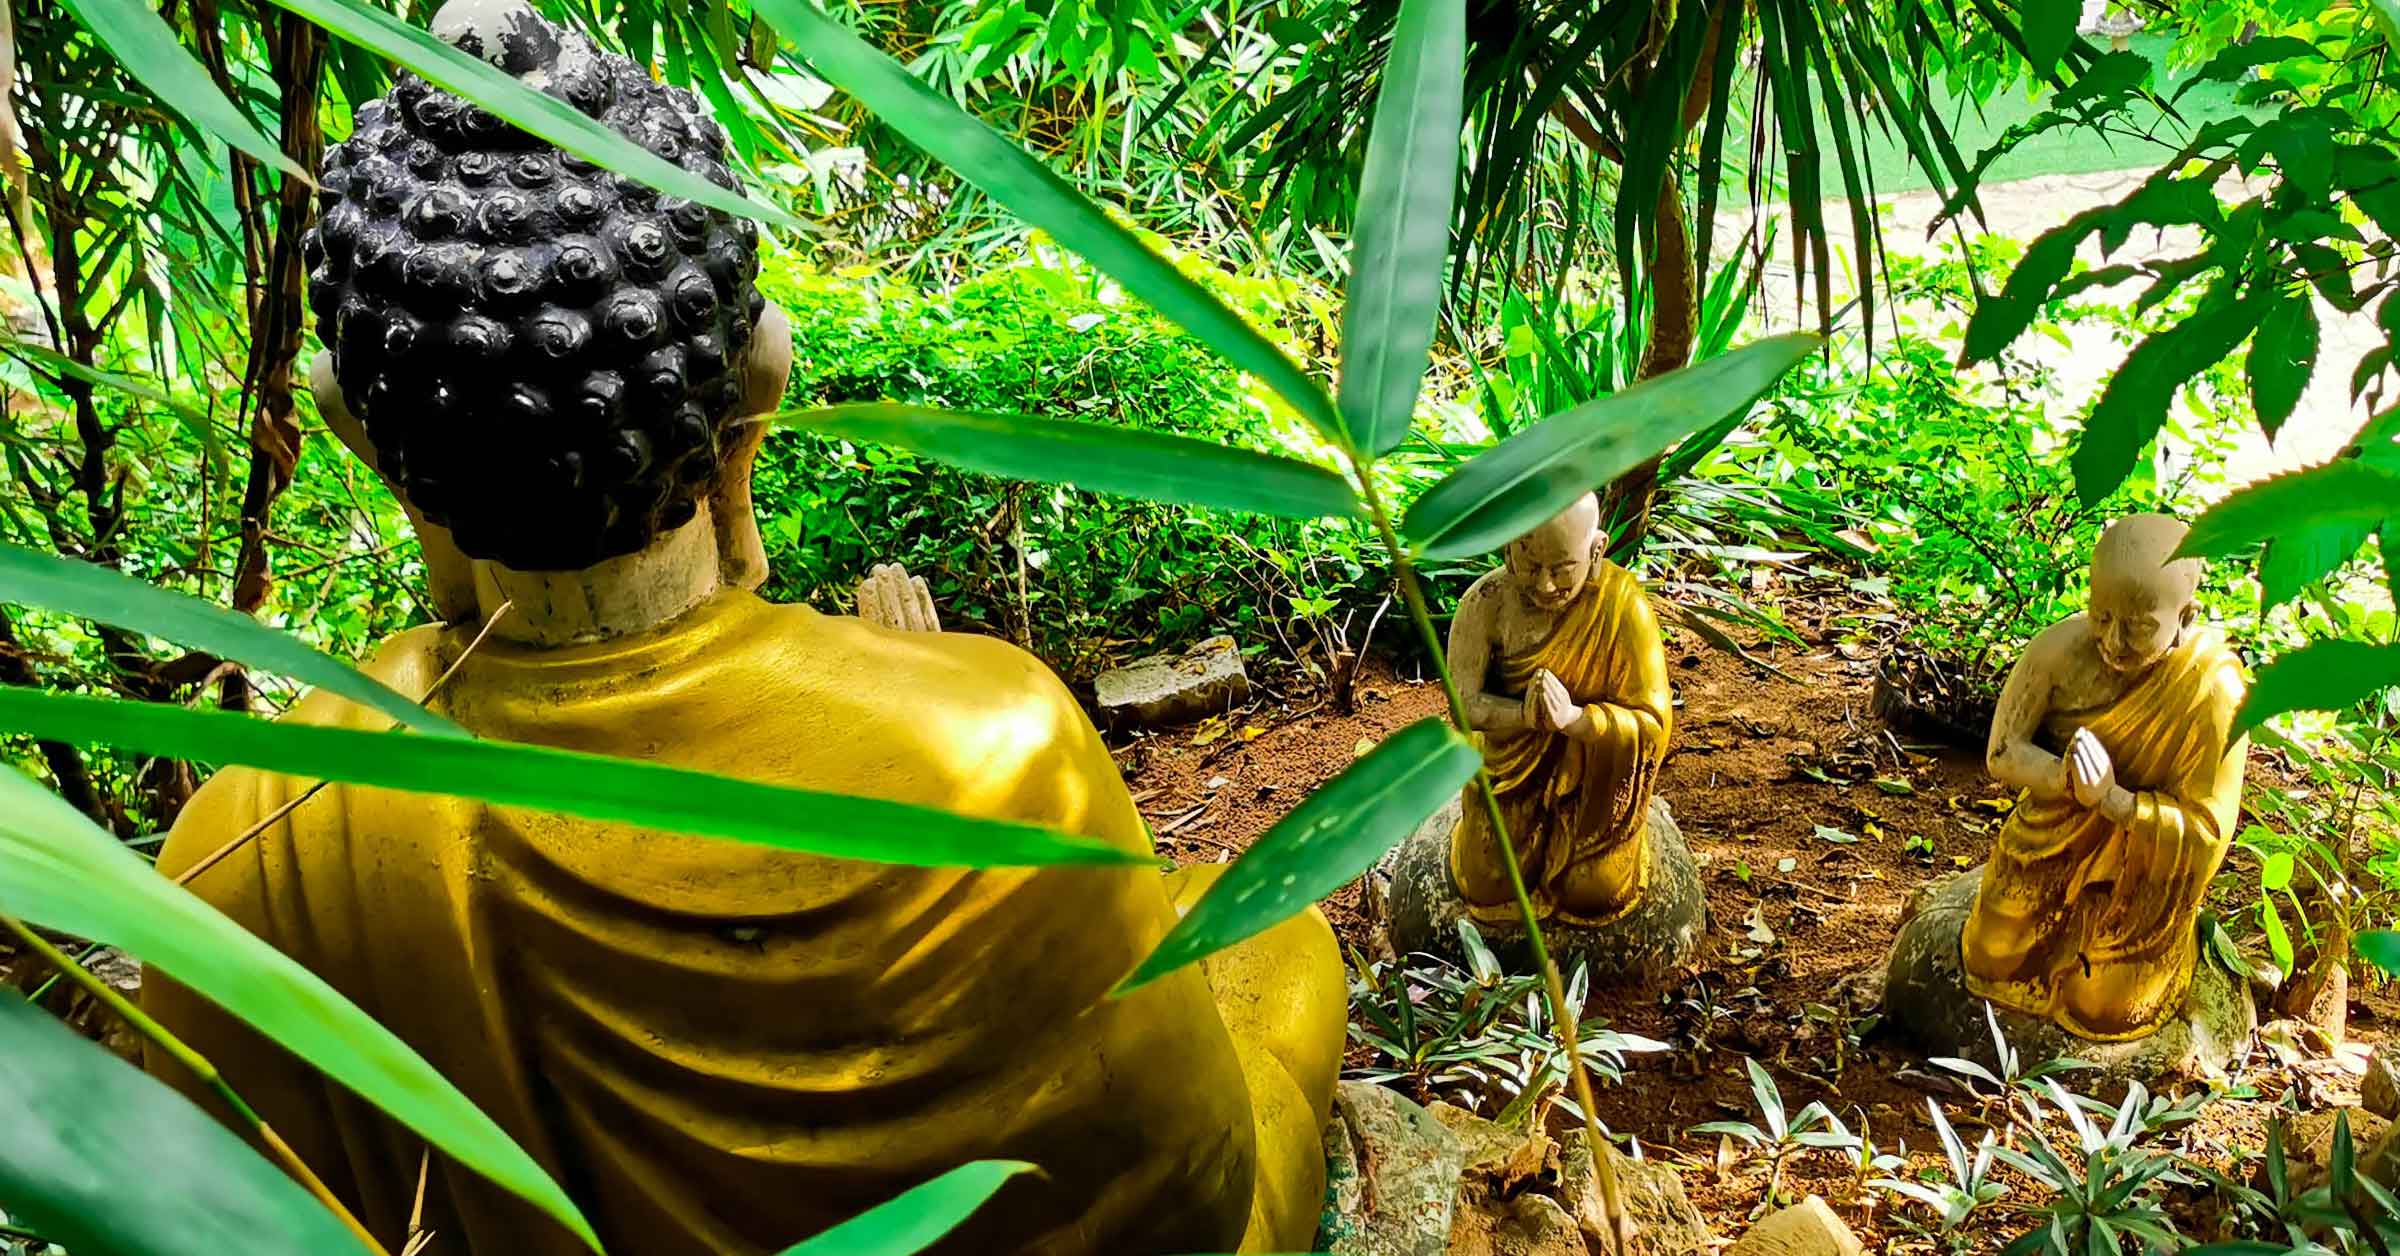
2070	150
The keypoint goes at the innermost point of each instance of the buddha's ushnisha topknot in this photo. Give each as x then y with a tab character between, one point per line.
545	355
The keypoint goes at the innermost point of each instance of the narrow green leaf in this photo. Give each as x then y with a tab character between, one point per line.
146	46
1328	840
2049	27
2283	355
51	360
2380	947
1403	231
534	111
2131	411
652	795
2319	676
74	1114
80	589
1509	489
1092	456
1004	172
59	870
915	1219
2343	493
2279	940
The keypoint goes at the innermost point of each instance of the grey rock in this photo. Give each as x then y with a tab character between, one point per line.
122	972
1926	999
2308	1146
1392	1178
2380	1092
1175	688
1422	909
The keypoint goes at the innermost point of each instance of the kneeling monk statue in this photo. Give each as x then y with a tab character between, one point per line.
2117	726
1564	672
717	1047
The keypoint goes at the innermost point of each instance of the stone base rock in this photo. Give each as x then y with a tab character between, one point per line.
1409	1181
1807	1228
1926	999
1175	688
1391	1178
1422	909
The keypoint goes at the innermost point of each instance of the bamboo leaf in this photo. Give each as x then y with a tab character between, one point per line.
80	589
534	111
2344	493
1509	489
2319	676
59	870
624	791
1403	233
1004	172
74	1112
915	1219
1150	465
146	46
1328	840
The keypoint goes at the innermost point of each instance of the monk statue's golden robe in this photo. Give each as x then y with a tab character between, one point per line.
1577	807
721	1048
2090	924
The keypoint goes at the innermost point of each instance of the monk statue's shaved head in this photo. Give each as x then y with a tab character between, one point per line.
2142	595
1551	563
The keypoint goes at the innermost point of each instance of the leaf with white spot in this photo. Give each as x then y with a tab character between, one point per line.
1325	842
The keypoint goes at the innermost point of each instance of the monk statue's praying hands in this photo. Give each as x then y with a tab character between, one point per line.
2087	913
1565	677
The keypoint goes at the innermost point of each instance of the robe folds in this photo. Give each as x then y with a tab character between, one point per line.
2094	925
719	1047
1577	809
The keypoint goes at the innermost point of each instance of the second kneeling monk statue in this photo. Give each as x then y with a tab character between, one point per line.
716	1047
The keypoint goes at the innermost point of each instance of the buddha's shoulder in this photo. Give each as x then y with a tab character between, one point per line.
953	673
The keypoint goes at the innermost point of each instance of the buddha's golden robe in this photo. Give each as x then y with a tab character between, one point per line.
722	1048
2093	925
1577	810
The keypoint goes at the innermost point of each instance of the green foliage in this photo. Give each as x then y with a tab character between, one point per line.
71	1109
1079	579
1477	1036
1335	834
916	1218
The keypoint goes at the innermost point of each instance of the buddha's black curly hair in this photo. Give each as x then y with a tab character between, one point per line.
545	355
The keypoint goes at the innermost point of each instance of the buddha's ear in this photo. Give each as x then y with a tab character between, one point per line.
449	575
766	370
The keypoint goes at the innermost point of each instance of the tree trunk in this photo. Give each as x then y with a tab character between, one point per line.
1674	327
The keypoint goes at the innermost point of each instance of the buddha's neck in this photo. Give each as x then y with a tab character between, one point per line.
616	598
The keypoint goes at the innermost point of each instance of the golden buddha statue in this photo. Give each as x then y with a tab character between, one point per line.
2087	912
1564	672
716	1047
1559	658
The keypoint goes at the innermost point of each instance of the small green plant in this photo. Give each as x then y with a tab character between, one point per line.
1969	1186
2012	1083
2107	1195
1782	1135
1479	1036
